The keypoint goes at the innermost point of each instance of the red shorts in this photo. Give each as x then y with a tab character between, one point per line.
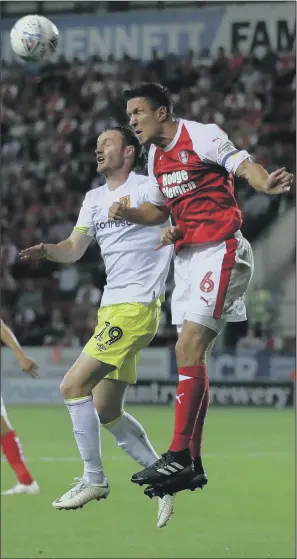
210	282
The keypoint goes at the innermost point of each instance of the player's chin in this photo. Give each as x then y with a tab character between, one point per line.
101	167
141	138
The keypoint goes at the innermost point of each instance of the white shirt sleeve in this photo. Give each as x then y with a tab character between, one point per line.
154	195
85	223
149	193
213	146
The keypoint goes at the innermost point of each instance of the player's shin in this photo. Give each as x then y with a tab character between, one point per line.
197	434
188	479
86	429
177	462
13	452
132	439
189	396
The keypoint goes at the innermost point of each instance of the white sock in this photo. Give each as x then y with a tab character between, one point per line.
86	429
132	438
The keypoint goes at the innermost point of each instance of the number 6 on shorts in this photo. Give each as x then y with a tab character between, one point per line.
206	284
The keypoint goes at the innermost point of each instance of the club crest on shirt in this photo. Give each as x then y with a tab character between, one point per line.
183	156
126	200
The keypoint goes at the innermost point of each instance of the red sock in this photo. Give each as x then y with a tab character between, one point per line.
13	451
196	438
189	395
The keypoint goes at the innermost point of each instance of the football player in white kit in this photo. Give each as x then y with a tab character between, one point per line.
127	320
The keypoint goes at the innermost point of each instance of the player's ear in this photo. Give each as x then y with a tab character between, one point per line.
130	151
162	114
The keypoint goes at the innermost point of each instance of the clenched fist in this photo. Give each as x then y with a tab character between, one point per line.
117	211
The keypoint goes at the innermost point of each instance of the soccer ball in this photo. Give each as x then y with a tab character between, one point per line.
34	38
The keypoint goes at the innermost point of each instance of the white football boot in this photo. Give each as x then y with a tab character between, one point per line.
32	489
165	510
81	494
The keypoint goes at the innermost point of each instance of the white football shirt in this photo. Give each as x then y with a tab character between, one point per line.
135	271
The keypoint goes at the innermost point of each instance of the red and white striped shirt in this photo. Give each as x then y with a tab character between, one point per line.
194	173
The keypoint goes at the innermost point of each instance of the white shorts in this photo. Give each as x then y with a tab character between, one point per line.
210	283
4	412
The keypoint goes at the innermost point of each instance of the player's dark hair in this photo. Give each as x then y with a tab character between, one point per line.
130	139
157	95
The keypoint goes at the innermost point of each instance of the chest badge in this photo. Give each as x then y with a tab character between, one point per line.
183	156
126	200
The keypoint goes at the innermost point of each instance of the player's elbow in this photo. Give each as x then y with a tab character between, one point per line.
253	173
72	258
162	219
76	248
75	255
156	220
159	215
244	170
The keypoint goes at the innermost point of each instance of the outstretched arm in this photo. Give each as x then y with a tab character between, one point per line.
68	251
215	147
73	248
278	182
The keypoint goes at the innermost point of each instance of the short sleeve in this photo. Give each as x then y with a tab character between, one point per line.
154	195
85	223
213	146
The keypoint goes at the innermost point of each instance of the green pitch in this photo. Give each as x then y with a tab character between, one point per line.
247	510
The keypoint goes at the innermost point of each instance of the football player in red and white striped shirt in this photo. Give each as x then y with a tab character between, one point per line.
192	166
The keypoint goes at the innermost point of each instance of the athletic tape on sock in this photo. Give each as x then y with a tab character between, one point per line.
76	401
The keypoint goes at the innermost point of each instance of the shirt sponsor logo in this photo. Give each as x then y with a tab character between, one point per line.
111	225
174	191
177	177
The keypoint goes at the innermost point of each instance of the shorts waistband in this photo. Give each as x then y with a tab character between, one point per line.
154	302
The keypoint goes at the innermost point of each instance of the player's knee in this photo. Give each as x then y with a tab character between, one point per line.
192	346
64	388
190	352
69	389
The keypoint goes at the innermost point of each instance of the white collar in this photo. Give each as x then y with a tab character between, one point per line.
176	137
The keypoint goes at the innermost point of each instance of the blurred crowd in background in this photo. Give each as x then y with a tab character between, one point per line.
51	117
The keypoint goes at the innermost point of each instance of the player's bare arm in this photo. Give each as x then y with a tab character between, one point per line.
10	443
26	363
169	235
67	251
277	182
146	214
